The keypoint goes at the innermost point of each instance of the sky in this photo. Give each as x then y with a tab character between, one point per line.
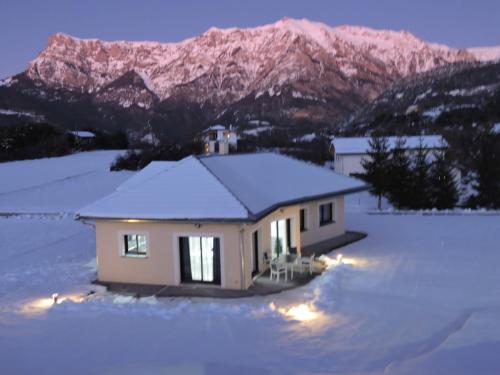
26	24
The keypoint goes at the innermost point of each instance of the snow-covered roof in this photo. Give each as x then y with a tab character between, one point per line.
360	145
265	181
240	187
152	169
183	191
82	134
214	127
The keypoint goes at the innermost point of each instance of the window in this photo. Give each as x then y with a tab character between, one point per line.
326	213
135	244
303	219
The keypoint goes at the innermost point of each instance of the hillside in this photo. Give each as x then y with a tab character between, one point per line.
442	100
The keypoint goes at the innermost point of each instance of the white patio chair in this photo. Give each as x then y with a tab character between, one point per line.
307	262
277	268
267	260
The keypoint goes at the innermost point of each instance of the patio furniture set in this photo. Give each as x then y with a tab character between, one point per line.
285	263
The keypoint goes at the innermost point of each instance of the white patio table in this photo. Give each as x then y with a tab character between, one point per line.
289	260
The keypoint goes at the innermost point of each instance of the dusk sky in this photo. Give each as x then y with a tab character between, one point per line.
26	25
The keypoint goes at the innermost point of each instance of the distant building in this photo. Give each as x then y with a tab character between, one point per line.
219	140
82	139
349	152
82	134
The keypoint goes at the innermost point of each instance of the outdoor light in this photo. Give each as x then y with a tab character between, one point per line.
339	258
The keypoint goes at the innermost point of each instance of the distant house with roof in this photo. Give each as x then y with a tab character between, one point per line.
348	153
215	219
82	139
217	139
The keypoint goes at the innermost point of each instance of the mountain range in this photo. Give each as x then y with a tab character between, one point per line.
291	73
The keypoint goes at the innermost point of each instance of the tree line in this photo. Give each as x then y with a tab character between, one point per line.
423	180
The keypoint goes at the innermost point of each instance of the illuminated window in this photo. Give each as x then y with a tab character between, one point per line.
135	244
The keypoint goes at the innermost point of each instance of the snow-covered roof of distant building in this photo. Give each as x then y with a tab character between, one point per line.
82	134
361	145
214	127
306	138
240	187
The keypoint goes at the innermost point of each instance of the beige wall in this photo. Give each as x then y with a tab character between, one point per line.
264	228
162	264
316	233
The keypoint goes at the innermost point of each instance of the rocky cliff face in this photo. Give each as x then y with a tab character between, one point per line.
292	70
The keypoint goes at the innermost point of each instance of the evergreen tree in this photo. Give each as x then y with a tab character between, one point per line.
444	192
376	167
400	181
420	185
486	165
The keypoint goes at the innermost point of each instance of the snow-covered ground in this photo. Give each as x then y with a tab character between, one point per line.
62	184
419	295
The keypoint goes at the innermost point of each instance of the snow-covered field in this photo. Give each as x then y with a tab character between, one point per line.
62	184
419	295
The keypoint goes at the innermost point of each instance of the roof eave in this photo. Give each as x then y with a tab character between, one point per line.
309	198
164	220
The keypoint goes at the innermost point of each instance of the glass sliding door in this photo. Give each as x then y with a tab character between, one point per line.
200	259
279	237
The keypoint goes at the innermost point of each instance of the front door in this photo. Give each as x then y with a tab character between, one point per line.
200	259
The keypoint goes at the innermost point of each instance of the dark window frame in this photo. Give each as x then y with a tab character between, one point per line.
326	216
303	219
137	252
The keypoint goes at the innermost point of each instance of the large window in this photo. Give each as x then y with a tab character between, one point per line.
303	219
326	213
135	244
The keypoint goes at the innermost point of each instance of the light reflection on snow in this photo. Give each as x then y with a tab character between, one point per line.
42	305
303	312
341	259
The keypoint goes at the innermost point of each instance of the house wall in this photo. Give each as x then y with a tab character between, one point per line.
316	233
162	264
264	228
347	164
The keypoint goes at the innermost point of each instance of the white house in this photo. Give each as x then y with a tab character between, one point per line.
349	152
215	219
217	139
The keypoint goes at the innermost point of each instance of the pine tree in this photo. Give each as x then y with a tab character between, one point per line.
486	166
376	167
420	184
399	182
444	192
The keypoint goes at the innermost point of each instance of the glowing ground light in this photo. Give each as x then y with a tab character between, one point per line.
304	312
41	305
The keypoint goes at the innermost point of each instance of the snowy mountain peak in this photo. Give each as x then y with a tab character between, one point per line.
294	58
